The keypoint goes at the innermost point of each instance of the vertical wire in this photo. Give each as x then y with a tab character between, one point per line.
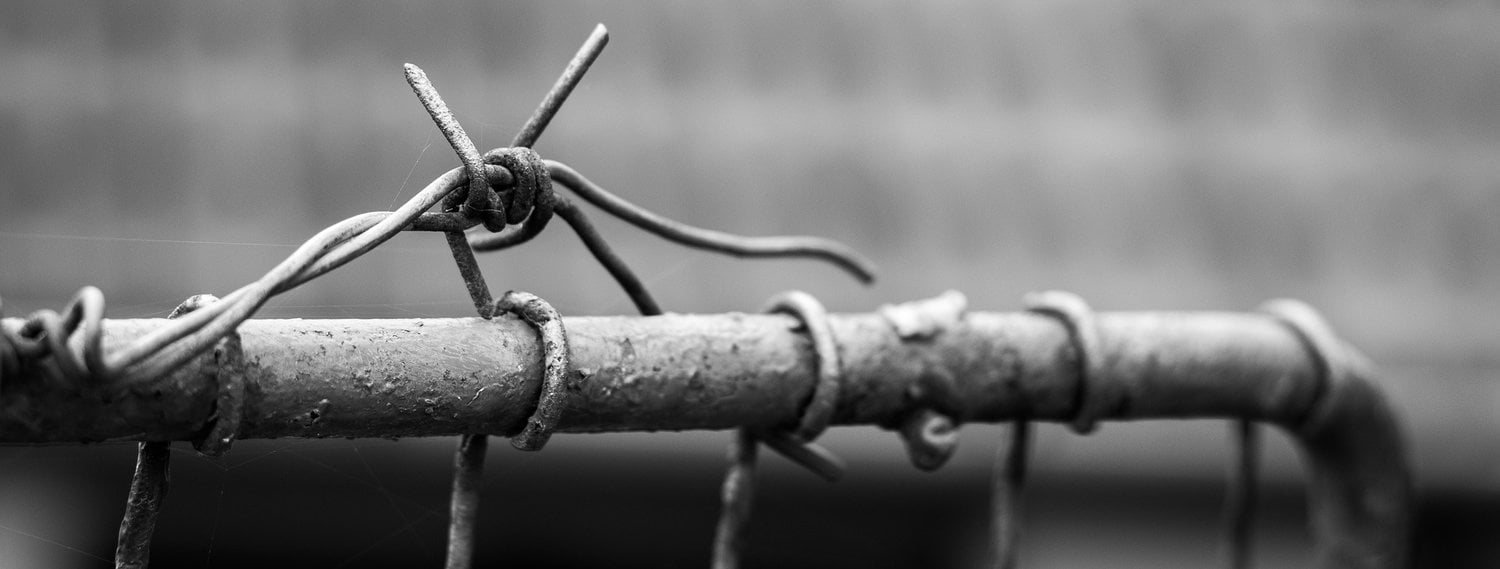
468	477
468	268
1005	505
147	489
1241	498
737	493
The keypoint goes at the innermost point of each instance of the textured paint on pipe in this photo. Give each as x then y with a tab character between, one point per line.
430	377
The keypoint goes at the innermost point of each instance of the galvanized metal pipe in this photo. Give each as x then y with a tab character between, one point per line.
443	377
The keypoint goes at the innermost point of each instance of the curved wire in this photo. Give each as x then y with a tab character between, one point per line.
818	411
606	256
682	233
555	359
1083	332
165	348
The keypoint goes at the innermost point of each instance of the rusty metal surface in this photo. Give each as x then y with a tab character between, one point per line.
402	378
921	369
147	490
429	377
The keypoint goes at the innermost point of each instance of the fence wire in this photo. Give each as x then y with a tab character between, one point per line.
514	186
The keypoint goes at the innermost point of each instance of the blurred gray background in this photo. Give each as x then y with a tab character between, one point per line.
1148	155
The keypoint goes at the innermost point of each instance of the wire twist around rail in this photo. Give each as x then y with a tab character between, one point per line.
795	444
148	487
1083	333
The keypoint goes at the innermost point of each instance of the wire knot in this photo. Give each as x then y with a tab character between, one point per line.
524	187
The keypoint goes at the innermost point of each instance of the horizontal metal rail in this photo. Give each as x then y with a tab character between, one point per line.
440	377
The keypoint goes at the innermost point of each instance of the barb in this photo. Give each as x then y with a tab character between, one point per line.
504	186
564	87
479	199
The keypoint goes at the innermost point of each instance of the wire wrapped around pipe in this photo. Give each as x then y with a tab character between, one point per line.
682	369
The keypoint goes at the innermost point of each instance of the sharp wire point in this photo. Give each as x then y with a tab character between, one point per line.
571	75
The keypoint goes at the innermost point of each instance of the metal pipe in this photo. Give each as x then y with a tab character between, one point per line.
444	377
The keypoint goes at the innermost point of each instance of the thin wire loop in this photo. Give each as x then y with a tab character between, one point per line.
229	378
930	437
46	332
1325	348
1078	319
1010	478
556	366
819	409
795	445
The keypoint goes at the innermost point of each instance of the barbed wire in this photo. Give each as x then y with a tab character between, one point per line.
504	186
72	339
515	186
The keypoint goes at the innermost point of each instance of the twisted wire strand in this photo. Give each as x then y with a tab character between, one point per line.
469	198
530	202
149	484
